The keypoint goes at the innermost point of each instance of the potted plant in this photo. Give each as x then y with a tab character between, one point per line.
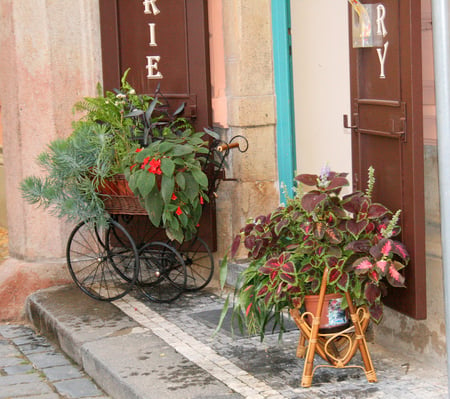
122	133
289	248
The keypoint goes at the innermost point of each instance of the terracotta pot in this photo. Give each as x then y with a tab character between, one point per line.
332	317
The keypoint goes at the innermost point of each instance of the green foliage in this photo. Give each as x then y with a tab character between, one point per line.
122	132
75	167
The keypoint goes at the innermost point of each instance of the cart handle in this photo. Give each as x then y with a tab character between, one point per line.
225	147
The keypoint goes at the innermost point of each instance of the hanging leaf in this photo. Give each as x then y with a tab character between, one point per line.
372	293
154	206
235	246
167	188
343	282
145	181
376	312
394	277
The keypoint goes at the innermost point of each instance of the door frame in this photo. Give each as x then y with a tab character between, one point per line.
285	126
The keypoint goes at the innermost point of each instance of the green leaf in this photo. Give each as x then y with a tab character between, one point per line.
167	187
222	315
154	206
192	188
223	271
179	177
145	183
200	177
166	146
167	166
183	149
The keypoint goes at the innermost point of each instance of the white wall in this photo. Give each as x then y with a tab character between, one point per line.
321	84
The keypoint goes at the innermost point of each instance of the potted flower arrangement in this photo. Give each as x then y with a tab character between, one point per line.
131	138
289	248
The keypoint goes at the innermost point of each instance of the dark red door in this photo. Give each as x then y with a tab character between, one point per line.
165	43
386	90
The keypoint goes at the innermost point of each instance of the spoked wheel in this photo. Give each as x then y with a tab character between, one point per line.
103	261
199	263
162	276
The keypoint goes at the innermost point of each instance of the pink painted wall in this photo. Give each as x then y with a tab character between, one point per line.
217	58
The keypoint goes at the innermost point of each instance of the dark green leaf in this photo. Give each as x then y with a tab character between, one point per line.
167	166
154	206
145	183
167	187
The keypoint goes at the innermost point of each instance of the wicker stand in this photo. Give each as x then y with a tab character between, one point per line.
336	348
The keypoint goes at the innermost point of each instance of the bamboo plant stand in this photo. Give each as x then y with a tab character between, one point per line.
336	348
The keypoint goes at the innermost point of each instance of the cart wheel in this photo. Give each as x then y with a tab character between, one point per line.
103	261
199	263
162	277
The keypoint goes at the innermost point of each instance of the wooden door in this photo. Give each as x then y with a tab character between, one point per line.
386	94
165	43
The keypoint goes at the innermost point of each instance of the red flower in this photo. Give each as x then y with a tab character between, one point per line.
138	149
174	197
201	200
155	166
178	211
132	166
145	162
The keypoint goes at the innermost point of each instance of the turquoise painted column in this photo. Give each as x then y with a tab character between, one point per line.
281	21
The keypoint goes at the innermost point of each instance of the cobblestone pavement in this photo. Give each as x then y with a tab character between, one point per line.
32	367
270	369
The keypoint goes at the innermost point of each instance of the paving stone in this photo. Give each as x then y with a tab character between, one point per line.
48	359
77	388
59	373
35	389
12	331
19	379
19	369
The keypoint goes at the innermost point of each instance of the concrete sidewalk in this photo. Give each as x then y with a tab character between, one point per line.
133	348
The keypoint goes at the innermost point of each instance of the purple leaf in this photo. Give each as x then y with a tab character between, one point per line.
235	246
334	276
359	246
288	278
400	249
377	211
312	199
376	312
343	281
288	267
394	277
356	228
334	235
337	183
309	180
372	293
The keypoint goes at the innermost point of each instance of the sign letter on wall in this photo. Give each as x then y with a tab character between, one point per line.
152	60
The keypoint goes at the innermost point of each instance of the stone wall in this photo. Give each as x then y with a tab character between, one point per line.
251	113
50	59
425	338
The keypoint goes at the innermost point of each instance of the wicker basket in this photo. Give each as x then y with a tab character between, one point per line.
119	199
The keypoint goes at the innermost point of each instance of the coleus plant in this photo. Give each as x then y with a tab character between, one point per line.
290	247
